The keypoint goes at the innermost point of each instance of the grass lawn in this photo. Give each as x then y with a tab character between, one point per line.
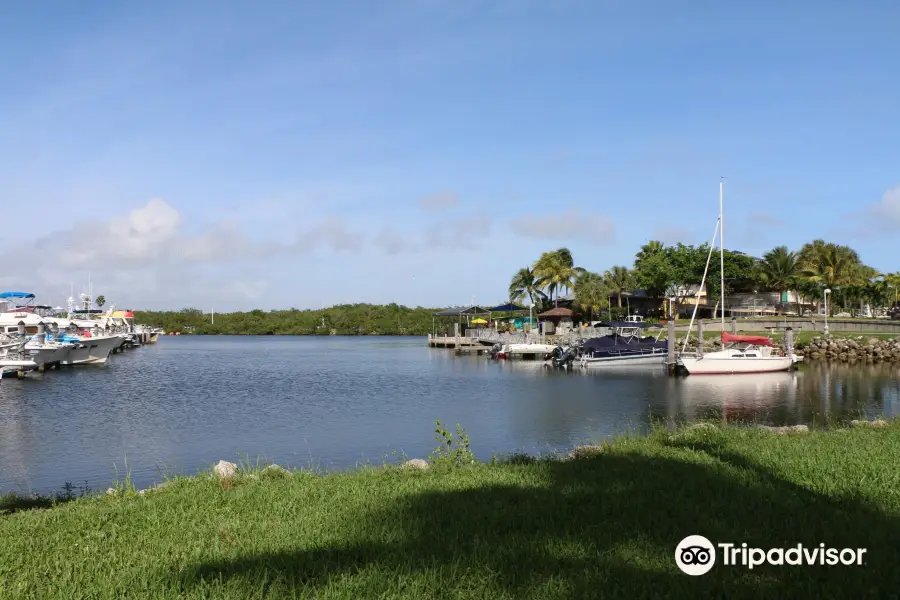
604	526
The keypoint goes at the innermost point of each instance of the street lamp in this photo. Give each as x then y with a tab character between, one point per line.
827	291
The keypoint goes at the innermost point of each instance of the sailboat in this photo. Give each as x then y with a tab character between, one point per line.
741	353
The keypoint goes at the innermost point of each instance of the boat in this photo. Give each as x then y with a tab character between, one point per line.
625	346
68	342
741	353
528	349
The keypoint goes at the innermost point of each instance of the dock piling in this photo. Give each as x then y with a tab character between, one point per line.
670	346
700	338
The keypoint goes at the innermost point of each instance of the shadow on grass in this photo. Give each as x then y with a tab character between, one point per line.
13	502
599	527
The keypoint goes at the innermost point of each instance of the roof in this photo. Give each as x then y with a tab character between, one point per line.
16	295
509	307
558	312
462	311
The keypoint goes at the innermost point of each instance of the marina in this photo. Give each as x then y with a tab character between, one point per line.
337	402
35	337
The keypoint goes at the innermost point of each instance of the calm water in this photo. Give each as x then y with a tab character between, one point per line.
186	402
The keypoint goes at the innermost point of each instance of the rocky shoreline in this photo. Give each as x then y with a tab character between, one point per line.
852	350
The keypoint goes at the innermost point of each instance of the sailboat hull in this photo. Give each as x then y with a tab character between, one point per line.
727	365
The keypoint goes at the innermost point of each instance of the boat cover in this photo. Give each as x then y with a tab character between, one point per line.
638	324
16	295
756	340
608	341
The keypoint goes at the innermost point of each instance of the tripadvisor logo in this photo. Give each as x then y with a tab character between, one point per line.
696	555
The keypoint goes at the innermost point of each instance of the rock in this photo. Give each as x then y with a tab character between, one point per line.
415	463
585	451
111	492
786	429
224	469
875	423
275	469
701	426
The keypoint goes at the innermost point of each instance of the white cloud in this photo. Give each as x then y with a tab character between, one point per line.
460	234
391	242
885	214
438	201
595	228
152	234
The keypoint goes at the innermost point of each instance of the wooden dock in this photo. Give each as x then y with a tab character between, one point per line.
454	342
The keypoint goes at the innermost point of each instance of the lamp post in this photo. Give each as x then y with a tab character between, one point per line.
827	291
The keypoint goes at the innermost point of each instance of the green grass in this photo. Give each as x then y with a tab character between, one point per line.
604	526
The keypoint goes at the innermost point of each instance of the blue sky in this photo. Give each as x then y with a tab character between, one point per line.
284	154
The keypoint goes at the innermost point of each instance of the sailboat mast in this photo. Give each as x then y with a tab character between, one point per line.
722	251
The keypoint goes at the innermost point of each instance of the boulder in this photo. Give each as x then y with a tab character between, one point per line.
874	423
224	469
585	451
415	463
275	470
786	429
702	425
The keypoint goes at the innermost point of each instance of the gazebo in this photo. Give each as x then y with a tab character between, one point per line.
469	312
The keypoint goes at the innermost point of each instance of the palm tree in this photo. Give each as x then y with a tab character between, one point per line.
651	248
619	280
591	292
523	285
892	282
778	270
554	270
830	265
100	301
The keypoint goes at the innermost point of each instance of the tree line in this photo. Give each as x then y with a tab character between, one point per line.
345	319
674	272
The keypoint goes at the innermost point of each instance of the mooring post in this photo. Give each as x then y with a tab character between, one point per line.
456	334
670	346
733	325
789	342
700	339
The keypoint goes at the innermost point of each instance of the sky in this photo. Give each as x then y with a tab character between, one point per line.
232	156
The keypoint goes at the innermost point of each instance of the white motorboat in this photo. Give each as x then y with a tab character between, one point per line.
746	353
44	352
539	350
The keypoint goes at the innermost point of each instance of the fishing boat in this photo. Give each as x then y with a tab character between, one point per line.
741	353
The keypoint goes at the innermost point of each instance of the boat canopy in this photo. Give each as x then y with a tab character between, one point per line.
756	340
640	324
123	314
16	295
